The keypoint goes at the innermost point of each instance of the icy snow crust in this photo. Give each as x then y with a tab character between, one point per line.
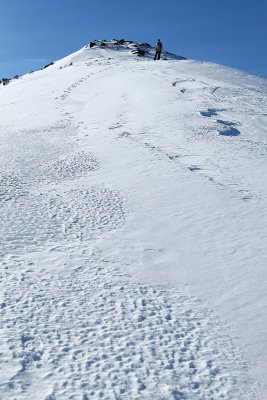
133	230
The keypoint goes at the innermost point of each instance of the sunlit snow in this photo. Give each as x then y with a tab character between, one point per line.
133	202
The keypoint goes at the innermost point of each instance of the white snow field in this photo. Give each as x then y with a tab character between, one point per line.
133	203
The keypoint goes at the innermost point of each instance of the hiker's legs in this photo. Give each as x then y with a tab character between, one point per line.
157	55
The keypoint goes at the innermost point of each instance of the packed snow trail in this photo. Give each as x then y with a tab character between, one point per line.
126	214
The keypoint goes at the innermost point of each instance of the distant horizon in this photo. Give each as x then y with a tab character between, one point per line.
33	34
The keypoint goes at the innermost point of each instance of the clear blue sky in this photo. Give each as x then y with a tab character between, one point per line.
230	32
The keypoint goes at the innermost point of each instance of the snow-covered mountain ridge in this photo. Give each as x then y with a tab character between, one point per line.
133	229
140	49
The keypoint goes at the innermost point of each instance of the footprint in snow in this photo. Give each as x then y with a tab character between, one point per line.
227	123
181	80
229	131
193	168
211	112
228	128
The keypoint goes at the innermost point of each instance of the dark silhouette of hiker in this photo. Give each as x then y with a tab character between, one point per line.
158	48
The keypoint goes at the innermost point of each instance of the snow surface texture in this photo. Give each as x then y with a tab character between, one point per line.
133	230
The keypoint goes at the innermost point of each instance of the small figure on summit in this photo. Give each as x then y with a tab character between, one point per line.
158	48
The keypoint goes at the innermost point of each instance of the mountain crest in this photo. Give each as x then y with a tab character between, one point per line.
140	49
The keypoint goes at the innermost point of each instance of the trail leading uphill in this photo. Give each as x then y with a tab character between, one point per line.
133	229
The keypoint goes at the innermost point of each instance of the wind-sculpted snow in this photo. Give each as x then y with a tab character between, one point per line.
32	148
73	214
86	336
10	187
73	165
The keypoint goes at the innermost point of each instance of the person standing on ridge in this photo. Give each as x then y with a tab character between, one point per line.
158	48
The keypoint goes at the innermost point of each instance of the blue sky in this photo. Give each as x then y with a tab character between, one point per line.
230	32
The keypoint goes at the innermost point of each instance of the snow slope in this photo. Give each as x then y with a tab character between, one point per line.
133	230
